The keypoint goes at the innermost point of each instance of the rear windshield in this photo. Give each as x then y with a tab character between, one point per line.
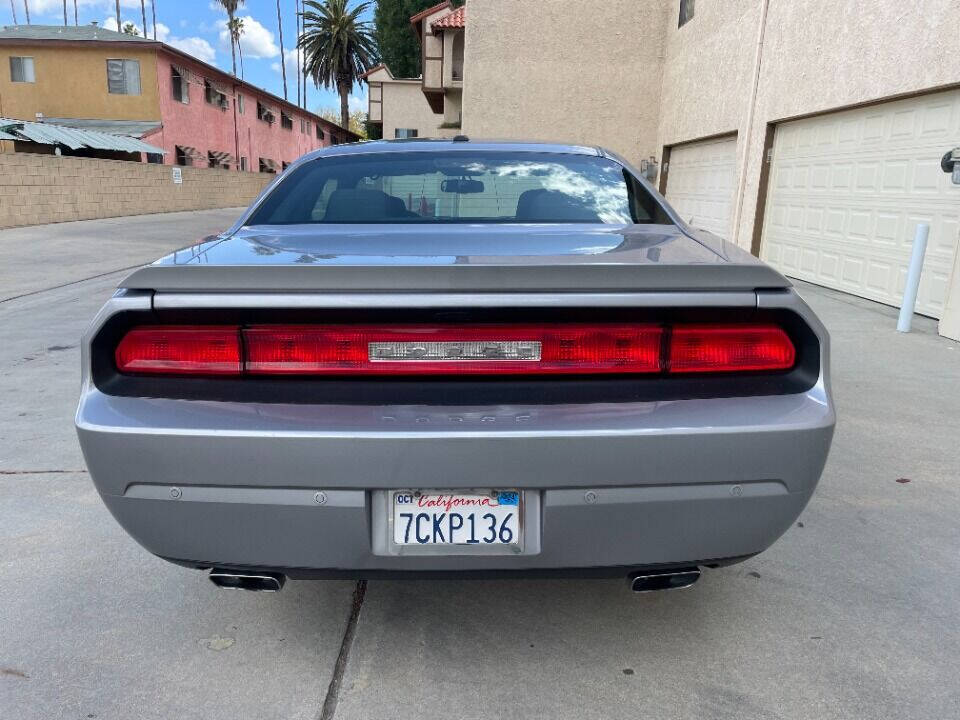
459	187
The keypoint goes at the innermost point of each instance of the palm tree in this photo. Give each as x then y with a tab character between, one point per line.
231	7
26	9
153	9
338	47
76	21
143	14
64	13
235	27
118	16
283	60
13	11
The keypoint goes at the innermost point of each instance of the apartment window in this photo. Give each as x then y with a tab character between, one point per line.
243	164
155	158
267	166
180	85
123	77
306	126
320	133
403	133
182	156
286	122
686	12
212	160
239	103
263	113
21	70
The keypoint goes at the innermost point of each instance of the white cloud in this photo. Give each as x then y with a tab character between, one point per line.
196	46
163	32
110	23
256	41
357	103
290	60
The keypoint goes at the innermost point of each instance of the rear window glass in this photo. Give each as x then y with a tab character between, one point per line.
459	187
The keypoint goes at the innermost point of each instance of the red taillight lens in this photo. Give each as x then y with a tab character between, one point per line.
580	349
446	350
729	348
180	350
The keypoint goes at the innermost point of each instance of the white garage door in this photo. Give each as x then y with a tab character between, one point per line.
847	190
701	181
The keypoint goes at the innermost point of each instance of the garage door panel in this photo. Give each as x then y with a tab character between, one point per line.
700	183
848	189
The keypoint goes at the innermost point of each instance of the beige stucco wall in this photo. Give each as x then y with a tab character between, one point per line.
405	106
37	189
581	72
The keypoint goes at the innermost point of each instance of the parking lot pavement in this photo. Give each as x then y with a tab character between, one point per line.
45	256
852	614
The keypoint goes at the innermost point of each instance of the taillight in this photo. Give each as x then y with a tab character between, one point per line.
581	349
729	348
446	350
180	350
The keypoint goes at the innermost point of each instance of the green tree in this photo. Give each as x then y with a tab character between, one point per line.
231	7
130	29
337	47
396	41
357	122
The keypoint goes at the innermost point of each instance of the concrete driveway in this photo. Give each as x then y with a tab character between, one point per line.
853	614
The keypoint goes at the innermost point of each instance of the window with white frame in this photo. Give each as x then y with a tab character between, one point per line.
21	70
239	102
687	11
123	77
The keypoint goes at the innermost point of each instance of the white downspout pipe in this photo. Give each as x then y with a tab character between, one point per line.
913	277
748	136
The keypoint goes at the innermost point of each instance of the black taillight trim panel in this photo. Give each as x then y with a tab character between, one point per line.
473	390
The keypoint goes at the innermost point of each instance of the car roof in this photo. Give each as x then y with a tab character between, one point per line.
451	145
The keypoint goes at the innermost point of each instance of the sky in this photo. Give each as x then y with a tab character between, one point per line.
198	27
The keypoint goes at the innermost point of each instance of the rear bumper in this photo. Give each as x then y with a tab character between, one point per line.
669	482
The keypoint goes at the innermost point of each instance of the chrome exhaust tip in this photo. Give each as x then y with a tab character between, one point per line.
664	580
256	582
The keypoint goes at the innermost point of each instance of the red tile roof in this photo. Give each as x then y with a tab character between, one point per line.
429	11
456	19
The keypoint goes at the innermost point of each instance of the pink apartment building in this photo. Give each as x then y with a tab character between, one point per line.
209	118
87	77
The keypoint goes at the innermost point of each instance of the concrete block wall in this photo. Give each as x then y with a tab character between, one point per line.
38	189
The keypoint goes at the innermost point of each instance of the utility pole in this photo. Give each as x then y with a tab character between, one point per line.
26	9
13	11
297	45
283	59
153	9
119	26
64	13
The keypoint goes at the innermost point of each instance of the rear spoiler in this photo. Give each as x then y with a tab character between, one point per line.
485	278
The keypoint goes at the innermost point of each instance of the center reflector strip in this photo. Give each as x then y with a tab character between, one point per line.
451	350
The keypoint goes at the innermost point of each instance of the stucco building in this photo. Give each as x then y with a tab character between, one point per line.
809	131
94	78
432	104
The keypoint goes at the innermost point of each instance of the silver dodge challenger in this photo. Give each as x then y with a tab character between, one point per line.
456	358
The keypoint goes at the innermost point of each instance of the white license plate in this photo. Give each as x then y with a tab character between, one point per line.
476	518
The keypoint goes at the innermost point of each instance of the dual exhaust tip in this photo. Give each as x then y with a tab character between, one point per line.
273	582
675	579
256	582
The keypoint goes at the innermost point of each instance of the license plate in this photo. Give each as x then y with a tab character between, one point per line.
475	518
